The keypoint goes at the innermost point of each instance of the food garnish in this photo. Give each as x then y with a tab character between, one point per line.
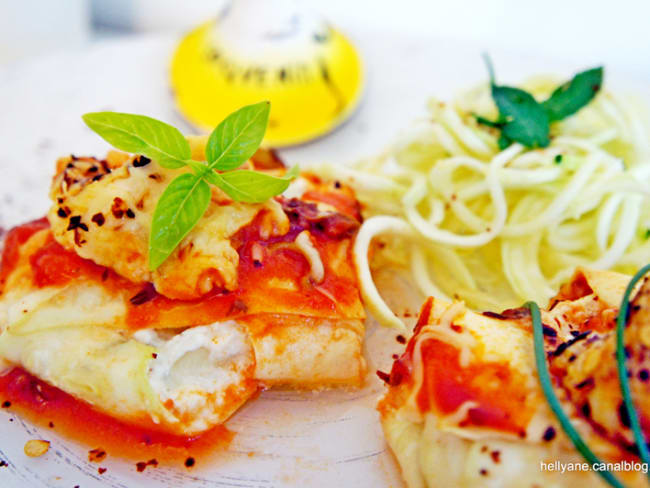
525	120
187	197
554	403
621	323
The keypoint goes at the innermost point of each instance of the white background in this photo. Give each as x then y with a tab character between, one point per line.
584	32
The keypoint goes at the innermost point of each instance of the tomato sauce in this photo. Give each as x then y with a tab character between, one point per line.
15	238
500	395
51	407
53	265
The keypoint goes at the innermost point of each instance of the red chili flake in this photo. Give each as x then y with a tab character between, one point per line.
549	331
98	219
385	377
549	434
154	355
401	339
101	470
623	416
145	295
141	466
588	382
76	223
96	455
483	472
511	313
189	462
141	161
51	425
117	208
456	328
306	215
496	456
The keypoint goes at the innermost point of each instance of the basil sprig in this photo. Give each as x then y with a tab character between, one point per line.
187	197
525	120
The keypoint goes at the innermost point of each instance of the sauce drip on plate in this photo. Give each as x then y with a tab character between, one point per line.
50	407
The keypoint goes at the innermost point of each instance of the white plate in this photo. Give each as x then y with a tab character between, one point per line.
298	439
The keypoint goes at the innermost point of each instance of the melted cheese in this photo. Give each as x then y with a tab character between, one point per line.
303	242
123	202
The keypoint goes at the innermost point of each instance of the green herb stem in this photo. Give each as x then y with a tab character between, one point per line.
621	323
554	402
490	67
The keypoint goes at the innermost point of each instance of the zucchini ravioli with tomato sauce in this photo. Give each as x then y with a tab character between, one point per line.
256	295
465	407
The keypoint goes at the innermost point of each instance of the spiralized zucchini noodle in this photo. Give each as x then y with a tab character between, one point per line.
497	227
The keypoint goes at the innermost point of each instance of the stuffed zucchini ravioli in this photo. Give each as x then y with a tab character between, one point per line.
256	295
465	407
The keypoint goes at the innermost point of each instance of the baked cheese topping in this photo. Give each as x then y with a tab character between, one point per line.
103	211
304	243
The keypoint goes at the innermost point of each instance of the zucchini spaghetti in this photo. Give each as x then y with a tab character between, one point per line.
497	227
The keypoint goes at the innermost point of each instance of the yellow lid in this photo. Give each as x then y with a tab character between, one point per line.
268	50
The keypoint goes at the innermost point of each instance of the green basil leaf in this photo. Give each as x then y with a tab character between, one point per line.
252	186
141	135
503	141
525	119
237	137
570	97
179	208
